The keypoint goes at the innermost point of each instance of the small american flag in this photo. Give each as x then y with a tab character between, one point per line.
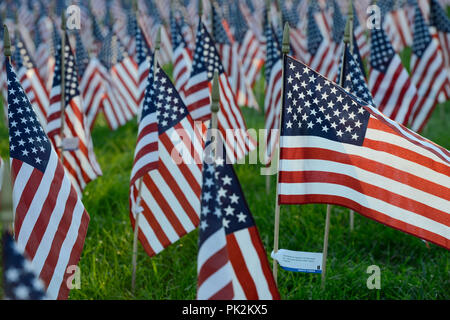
50	220
392	89
81	164
31	81
181	58
398	29
341	151
427	72
206	61
320	55
20	281
440	24
170	191
272	102
232	262
360	36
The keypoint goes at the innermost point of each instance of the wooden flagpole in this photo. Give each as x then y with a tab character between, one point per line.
285	51
138	200
63	86
347	37
6	208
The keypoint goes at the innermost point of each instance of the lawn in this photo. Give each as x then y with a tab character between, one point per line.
409	270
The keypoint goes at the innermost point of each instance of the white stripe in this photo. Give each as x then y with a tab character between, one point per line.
216	282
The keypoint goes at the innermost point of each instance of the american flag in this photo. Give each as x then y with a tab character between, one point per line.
250	53
206	61
20	281
272	101
45	61
170	193
393	91
341	151
231	61
232	262
398	29
119	84
427	66
50	220
181	58
320	55
81	164
360	36
31	81
440	24
353	78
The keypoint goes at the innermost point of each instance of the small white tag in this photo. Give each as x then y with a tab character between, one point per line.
299	261
70	144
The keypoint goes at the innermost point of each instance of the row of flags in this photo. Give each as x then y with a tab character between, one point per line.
374	164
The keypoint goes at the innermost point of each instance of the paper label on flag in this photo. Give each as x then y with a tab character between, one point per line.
299	261
70	144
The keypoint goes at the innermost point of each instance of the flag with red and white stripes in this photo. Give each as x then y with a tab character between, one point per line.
231	61
92	91
360	36
392	89
272	101
440	25
181	58
168	162
50	220
79	159
206	61
362	160
232	262
427	66
31	81
398	29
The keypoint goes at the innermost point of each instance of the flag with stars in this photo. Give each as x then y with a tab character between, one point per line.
20	281
30	79
341	151
228	237
50	220
229	48
206	61
272	101
427	72
440	24
392	89
249	49
353	78
320	53
181	58
168	160
80	163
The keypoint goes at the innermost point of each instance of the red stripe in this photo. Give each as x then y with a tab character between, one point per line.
240	268
226	293
212	265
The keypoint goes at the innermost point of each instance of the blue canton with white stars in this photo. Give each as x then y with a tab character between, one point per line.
223	202
176	33
438	17
162	96
142	49
82	55
238	22
19	280
381	50
27	139
315	106
71	77
220	35
21	56
206	58
338	24
273	52
422	36
314	36
354	81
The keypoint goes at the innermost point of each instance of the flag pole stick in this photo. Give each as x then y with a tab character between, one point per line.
63	86
6	209
327	218
138	202
285	51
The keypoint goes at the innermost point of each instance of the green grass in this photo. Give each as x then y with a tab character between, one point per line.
409	270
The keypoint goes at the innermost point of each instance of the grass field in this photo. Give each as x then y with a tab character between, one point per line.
409	270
